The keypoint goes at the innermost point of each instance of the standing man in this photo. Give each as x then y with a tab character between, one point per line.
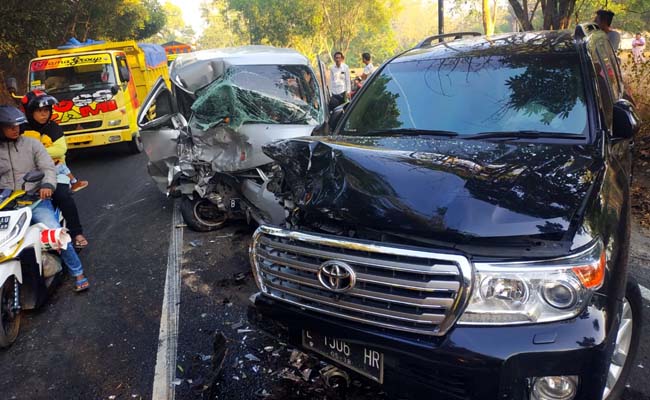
368	69
339	81
604	21
638	45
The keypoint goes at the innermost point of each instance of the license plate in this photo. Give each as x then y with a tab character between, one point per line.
359	358
79	138
4	222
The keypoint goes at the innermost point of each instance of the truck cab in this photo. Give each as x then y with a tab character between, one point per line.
99	87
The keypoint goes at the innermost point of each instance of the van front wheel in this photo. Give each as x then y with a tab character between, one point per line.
201	215
135	146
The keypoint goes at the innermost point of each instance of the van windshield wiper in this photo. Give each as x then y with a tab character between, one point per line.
413	132
523	134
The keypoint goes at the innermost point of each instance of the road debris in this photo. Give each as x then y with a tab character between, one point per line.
251	357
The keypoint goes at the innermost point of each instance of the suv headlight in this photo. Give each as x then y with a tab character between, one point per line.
535	291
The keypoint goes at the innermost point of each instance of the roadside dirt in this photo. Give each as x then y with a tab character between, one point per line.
641	183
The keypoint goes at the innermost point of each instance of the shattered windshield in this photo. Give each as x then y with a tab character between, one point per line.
67	77
471	95
267	94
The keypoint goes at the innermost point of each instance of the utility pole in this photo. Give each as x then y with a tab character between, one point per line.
441	17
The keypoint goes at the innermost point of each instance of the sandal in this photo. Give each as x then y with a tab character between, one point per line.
81	285
80	242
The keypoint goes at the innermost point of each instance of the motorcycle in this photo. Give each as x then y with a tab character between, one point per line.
204	137
29	263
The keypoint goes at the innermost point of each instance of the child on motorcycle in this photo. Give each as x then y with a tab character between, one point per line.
19	155
38	109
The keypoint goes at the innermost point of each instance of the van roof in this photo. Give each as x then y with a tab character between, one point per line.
244	55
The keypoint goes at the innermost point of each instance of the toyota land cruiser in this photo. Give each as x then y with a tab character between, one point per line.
464	232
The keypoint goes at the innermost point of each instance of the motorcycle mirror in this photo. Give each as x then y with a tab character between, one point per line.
34	176
115	89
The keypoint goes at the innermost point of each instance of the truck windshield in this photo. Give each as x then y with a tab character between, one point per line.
272	94
66	77
473	95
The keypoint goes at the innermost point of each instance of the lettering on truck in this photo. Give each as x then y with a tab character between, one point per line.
84	105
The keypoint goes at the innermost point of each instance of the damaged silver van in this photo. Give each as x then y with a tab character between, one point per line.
203	136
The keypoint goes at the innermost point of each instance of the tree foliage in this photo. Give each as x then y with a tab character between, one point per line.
30	25
311	26
175	27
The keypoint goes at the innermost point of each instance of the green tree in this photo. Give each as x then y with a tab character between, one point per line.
30	25
175	28
225	27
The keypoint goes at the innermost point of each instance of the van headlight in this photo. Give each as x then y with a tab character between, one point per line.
535	291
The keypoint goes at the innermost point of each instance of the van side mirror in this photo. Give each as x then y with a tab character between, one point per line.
626	121
336	115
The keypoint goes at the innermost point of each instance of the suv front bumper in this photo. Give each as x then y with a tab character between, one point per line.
469	362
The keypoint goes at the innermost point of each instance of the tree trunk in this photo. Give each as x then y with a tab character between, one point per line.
521	14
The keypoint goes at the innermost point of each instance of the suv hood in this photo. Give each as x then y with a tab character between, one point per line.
425	187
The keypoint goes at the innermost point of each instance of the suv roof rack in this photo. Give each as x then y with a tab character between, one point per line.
584	29
456	35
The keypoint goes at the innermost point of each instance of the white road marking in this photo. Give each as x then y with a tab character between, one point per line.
165	372
645	292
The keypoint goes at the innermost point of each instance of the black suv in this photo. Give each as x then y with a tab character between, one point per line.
464	232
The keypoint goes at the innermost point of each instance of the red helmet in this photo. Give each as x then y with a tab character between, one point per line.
37	99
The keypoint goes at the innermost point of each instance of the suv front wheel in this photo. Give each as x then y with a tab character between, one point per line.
627	342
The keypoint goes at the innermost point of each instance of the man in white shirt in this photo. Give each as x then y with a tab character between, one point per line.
339	81
604	21
368	69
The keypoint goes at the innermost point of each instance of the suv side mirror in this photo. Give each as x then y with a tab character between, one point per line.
626	121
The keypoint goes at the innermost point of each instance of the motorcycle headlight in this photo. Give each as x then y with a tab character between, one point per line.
11	242
535	291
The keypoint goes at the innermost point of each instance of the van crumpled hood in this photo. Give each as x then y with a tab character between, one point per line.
423	186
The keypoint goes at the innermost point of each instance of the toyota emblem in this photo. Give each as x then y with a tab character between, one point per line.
336	276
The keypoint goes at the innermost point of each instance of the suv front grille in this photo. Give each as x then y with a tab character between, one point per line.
400	288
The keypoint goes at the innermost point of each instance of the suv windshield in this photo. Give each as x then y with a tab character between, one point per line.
473	95
272	94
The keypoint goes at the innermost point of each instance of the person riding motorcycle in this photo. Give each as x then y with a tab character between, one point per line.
18	156
38	110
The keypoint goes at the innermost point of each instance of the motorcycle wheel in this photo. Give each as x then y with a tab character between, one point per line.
201	215
627	341
9	320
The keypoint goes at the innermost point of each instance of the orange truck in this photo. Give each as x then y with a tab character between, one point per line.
99	86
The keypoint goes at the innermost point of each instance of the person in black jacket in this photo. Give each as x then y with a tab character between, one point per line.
38	110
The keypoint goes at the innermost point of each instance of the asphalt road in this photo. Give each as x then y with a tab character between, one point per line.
102	344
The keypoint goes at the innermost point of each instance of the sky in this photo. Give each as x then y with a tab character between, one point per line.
191	13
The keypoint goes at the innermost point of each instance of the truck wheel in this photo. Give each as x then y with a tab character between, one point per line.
201	215
627	342
9	319
135	146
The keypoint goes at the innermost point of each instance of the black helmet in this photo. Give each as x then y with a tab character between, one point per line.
10	115
37	99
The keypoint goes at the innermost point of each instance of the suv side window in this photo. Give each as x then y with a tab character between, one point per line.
608	59
605	101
